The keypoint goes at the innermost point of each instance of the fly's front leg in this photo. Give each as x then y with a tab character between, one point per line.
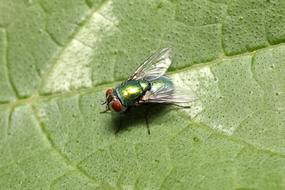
105	111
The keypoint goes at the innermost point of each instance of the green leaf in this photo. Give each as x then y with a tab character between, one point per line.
57	58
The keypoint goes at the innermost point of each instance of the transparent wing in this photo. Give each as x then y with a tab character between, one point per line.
154	67
168	95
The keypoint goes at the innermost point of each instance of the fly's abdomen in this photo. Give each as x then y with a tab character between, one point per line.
130	91
161	83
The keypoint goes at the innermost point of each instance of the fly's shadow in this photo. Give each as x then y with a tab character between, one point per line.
136	116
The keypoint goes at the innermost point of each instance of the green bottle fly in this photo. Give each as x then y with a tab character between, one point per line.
147	85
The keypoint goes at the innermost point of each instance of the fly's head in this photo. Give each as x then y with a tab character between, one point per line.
113	103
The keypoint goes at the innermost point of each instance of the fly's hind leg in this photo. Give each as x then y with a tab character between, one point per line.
140	102
181	106
146	121
146	118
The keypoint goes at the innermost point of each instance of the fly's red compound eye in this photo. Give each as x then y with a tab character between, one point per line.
116	105
109	92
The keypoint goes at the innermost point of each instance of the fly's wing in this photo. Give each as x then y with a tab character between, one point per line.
168	95
154	67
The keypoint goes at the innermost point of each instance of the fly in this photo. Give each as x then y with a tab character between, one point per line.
148	84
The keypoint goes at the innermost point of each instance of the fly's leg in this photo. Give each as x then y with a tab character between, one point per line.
147	123
105	111
180	106
146	120
118	128
140	102
121	119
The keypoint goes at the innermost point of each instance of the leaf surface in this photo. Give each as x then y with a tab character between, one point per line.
57	58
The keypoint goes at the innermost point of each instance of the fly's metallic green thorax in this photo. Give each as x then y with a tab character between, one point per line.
130	91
